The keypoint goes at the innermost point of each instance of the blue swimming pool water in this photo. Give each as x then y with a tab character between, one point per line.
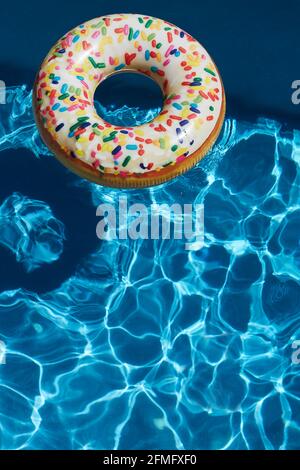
143	344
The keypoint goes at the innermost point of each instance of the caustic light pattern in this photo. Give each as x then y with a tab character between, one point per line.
145	344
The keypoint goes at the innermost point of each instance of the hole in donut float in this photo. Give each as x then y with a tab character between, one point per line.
128	98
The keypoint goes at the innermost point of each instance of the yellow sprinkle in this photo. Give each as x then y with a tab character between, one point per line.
144	36
180	151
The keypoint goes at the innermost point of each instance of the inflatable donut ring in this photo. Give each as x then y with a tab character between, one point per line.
175	140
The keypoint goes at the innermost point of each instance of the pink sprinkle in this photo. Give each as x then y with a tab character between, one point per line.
95	34
85	84
166	62
111	60
179	159
169	50
57	67
118	155
74	106
140	48
126	29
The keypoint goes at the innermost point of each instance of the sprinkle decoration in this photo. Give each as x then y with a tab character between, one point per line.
82	58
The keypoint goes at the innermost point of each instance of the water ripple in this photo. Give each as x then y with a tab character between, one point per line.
147	345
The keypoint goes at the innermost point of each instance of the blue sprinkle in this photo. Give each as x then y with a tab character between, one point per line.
64	108
177	106
54	82
181	34
178	132
85	124
79	77
173	51
55	106
59	127
131	147
64	88
72	98
184	122
177	53
62	51
147	54
116	150
119	67
75	38
136	34
124	132
194	110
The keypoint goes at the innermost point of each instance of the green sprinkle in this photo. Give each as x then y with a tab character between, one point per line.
126	161
96	131
211	108
108	138
104	30
64	96
174	148
100	65
82	118
101	168
158	46
162	143
198	99
71	89
98	25
148	24
151	36
51	75
92	62
210	71
167	28
78	91
130	34
72	128
141	20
